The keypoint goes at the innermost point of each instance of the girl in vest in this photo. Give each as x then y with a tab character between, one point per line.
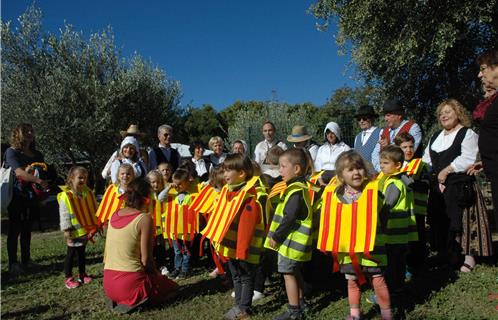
291	229
77	206
350	231
236	229
157	206
112	201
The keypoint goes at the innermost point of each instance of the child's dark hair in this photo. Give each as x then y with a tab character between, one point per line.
239	162
393	153
137	192
188	165
72	172
403	137
274	154
299	157
181	174
216	178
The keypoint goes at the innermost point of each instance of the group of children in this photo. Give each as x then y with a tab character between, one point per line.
365	223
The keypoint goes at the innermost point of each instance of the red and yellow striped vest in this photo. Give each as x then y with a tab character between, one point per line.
110	203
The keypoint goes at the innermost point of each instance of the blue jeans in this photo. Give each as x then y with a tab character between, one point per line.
182	257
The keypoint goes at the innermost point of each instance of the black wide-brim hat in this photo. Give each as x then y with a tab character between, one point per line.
392	106
366	110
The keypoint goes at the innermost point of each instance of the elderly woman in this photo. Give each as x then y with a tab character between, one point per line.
216	145
129	152
130	276
239	146
24	204
450	153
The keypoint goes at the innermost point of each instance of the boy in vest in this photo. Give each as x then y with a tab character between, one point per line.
291	229
236	229
396	218
419	172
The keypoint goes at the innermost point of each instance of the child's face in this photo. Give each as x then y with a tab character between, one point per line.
78	181
165	170
287	170
388	166
125	176
408	149
181	185
353	176
155	183
234	176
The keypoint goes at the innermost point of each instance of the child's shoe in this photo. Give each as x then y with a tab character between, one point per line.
257	296
214	273
71	283
173	274
164	271
236	314
84	279
182	275
291	313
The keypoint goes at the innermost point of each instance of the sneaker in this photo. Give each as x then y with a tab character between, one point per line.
372	299
289	314
85	279
182	275
173	274
71	283
232	294
257	296
214	273
236	314
164	271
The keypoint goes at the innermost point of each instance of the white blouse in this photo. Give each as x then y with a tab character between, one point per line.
469	149
327	155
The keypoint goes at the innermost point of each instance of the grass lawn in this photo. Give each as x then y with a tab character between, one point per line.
439	294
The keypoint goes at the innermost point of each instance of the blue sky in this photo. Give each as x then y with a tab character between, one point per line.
220	50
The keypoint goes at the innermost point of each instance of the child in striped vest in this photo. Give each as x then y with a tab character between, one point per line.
77	206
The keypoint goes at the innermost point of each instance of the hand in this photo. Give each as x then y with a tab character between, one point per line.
321	183
273	243
441	177
67	234
475	169
43	184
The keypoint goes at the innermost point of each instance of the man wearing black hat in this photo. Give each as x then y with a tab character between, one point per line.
394	114
367	139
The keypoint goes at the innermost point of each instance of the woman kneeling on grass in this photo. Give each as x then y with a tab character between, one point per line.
130	277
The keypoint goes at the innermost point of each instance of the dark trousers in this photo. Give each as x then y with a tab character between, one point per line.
417	250
494	194
263	270
79	253
159	250
395	271
243	276
20	212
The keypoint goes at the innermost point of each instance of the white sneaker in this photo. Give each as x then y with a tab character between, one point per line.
164	271
257	296
233	294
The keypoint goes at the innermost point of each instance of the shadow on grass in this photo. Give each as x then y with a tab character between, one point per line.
26	312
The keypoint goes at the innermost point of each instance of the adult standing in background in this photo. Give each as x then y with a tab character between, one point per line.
394	115
269	132
486	114
301	139
24	204
164	152
218	156
329	151
202	164
367	139
239	146
129	152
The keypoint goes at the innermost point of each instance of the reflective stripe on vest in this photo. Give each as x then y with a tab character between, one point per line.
81	211
156	208
401	225
204	200
228	245
298	244
414	169
177	220
110	203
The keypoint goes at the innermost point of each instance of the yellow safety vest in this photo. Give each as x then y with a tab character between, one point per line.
297	245
401	225
110	203
81	210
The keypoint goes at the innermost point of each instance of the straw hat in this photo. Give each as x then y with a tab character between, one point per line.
299	134
132	131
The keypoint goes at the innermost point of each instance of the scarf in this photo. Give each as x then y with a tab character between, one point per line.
482	107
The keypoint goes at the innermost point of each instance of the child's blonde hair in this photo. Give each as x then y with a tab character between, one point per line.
125	166
157	175
72	172
351	159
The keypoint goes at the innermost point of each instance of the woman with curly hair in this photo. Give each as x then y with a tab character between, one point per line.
24	205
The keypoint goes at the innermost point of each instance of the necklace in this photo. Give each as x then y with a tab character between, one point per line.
351	193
